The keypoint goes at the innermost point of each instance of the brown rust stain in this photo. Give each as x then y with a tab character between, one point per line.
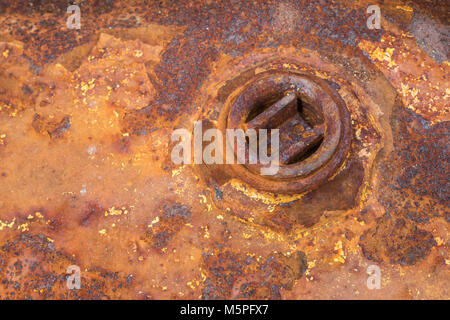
103	193
397	241
31	267
165	227
54	128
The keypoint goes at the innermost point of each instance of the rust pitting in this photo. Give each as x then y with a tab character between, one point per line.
235	276
396	240
419	191
396	164
174	216
55	128
31	267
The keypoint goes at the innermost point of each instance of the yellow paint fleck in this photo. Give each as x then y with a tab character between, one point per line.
190	285
87	86
115	212
206	233
340	257
7	225
246	235
405	8
156	220
439	241
24	227
266	198
383	55
203	197
176	172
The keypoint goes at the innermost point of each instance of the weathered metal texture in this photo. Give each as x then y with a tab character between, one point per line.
321	103
86	176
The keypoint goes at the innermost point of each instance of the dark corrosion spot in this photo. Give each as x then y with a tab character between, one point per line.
415	175
27	90
233	275
54	128
218	193
174	216
139	122
92	212
396	240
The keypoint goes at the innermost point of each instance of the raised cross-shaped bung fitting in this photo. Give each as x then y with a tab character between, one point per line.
313	122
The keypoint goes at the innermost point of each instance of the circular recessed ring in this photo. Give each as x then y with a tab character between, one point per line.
272	91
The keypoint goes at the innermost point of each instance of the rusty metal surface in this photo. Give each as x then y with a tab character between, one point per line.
323	104
86	176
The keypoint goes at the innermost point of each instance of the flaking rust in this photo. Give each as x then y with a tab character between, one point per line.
86	176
